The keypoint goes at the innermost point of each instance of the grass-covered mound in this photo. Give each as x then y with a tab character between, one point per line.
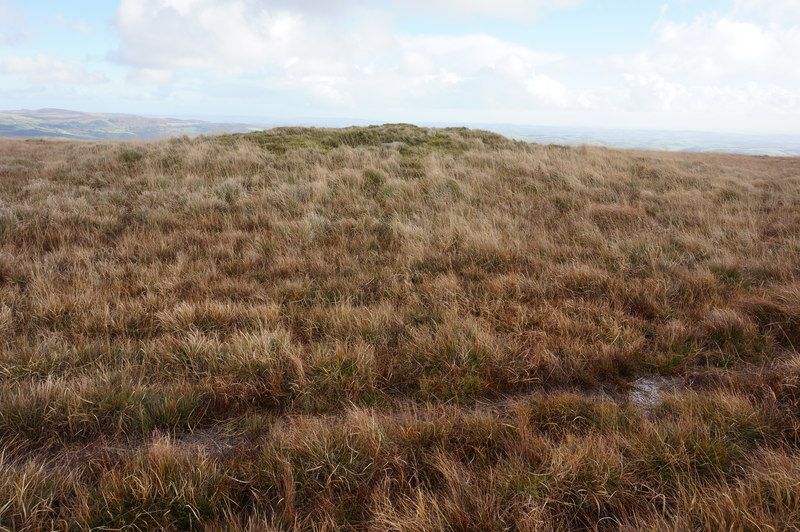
396	328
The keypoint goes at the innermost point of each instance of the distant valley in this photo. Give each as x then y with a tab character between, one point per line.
64	124
658	140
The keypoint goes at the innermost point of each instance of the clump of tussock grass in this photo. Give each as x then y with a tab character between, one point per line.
394	327
444	466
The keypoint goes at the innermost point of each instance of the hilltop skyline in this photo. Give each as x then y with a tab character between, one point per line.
726	66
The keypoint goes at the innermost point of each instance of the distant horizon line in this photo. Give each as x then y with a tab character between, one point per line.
346	121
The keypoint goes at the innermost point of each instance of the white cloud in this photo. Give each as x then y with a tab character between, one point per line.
359	59
49	69
716	64
777	11
455	8
78	25
353	57
650	92
164	34
496	8
349	57
12	23
473	51
714	46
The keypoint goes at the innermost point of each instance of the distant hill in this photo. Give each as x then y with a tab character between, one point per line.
61	123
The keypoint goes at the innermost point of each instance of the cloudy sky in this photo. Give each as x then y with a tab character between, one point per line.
713	65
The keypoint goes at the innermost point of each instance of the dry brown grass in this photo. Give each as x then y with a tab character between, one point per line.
311	329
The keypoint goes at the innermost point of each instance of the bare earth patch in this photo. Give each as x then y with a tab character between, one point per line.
647	392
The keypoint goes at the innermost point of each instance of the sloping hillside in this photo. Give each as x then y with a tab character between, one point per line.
60	123
396	328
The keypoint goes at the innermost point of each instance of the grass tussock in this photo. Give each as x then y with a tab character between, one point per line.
396	328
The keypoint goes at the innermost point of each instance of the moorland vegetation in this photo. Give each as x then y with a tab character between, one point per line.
396	328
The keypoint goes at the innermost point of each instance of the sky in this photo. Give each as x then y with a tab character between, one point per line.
707	65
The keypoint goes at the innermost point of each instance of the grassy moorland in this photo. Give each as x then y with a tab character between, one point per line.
395	328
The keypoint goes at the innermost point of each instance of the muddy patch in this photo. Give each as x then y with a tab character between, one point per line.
211	440
647	392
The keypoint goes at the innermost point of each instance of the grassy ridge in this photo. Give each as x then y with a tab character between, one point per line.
395	327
